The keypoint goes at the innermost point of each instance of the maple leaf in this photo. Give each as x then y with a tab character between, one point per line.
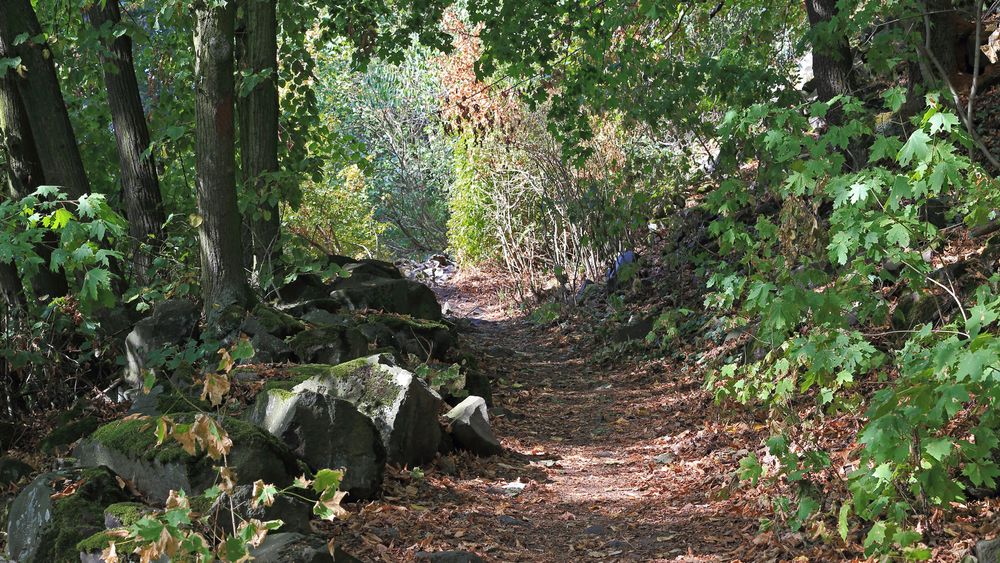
228	477
216	387
263	493
177	499
110	554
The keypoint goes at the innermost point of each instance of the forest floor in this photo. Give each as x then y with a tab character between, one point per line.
613	461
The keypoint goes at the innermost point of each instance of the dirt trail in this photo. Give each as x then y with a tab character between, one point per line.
619	461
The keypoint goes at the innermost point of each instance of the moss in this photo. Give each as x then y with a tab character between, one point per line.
398	321
174	401
277	322
68	433
79	516
126	513
137	438
96	542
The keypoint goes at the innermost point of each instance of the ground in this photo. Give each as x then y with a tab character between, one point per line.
620	460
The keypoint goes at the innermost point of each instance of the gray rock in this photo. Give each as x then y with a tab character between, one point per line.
13	470
129	448
269	349
328	345
987	551
285	547
326	432
401	296
41	529
447	557
511	521
293	512
470	427
635	330
172	322
402	406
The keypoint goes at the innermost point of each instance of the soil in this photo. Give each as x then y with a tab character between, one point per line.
620	461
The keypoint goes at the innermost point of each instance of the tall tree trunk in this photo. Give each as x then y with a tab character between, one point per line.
140	184
43	101
224	283
257	54
832	60
24	175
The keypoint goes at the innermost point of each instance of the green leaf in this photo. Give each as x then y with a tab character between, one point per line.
885	147
942	121
842	523
916	147
894	98
898	235
939	448
327	479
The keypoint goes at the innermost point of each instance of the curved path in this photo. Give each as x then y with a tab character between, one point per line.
611	461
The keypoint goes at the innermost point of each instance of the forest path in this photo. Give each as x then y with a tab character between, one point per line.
613	461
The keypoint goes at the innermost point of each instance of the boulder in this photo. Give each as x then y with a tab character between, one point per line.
402	406
286	547
66	432
304	287
400	296
470	427
447	557
326	432
406	334
328	345
293	512
128	446
367	267
42	529
171	323
987	551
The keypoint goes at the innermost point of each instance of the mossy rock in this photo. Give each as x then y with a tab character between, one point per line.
124	514
129	447
277	323
97	542
402	407
400	296
68	432
328	345
46	530
167	401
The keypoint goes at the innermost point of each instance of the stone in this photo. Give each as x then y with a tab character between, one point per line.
470	427
403	408
269	349
400	296
406	334
68	431
511	521
13	470
636	329
295	513
172	322
289	547
124	514
328	345
447	557
41	529
987	551
303	288
596	530
128	447
326	432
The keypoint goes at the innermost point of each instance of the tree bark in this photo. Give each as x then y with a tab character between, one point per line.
43	101
832	59
140	184
24	175
224	283
257	54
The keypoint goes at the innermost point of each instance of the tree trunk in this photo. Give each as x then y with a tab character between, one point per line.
140	184
24	175
257	53
832	60
43	102
224	283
